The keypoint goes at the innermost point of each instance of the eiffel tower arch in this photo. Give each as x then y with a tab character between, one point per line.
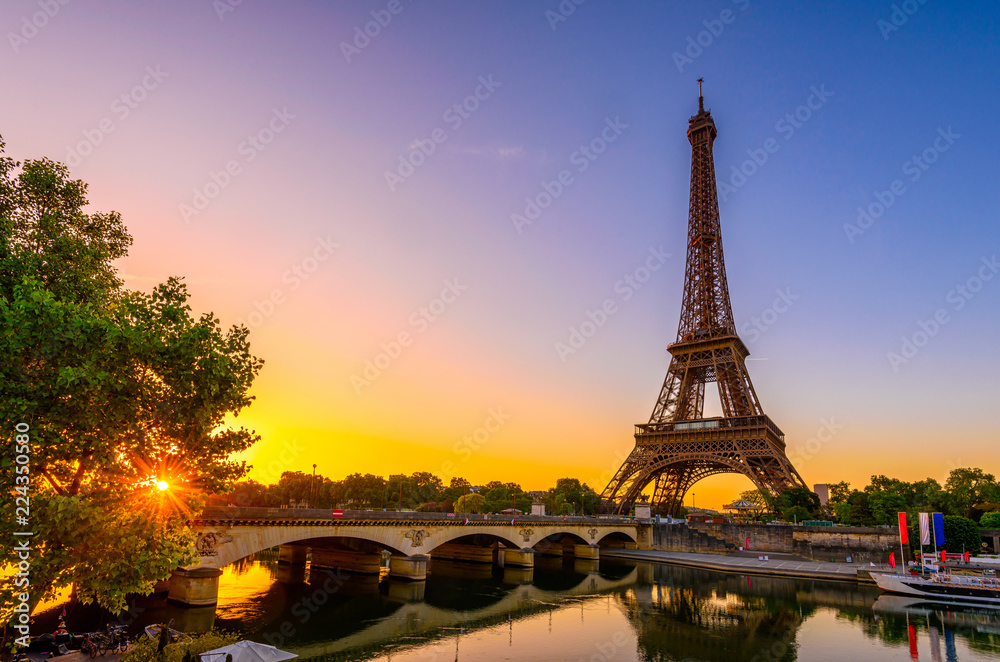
679	446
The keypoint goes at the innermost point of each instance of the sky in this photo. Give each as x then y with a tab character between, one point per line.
417	206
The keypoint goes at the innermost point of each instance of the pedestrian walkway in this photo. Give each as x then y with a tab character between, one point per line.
784	567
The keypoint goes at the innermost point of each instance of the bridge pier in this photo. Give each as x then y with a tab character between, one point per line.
364	563
412	568
406	591
289	573
518	575
194	588
587	552
518	558
294	554
462	552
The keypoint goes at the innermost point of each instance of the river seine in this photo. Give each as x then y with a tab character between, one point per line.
566	610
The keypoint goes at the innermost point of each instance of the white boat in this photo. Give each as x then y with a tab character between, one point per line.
942	586
153	632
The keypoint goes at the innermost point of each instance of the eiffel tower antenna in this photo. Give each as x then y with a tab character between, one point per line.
679	446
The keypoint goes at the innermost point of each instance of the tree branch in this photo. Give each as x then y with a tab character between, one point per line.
78	479
56	486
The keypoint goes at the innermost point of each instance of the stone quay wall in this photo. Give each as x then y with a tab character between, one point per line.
818	543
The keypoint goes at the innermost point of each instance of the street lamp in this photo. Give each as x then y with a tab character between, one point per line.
311	481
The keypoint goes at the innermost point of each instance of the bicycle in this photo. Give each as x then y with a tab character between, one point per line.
94	644
117	638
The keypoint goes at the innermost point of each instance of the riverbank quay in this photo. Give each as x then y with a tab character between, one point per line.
77	656
842	572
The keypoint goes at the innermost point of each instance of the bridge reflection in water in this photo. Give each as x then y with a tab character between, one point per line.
574	610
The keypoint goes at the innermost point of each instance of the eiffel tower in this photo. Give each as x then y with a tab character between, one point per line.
679	446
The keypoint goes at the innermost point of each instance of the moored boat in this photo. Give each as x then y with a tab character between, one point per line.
153	632
942	586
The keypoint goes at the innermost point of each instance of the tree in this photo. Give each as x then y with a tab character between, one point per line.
368	491
457	487
990	520
961	534
292	486
119	391
795	514
928	496
470	503
758	501
885	506
839	492
859	513
970	487
799	496
248	493
580	497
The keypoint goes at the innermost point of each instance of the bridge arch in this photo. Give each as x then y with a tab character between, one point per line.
615	539
475	539
673	476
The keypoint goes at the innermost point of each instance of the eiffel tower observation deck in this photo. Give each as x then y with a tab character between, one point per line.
679	446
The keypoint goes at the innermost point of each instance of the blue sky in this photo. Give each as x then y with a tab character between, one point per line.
338	124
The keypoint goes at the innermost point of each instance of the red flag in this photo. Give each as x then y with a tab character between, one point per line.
892	559
912	631
903	536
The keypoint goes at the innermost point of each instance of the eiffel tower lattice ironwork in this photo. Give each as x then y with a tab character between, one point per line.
679	447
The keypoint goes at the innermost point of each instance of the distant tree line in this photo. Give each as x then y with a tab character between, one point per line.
969	499
421	491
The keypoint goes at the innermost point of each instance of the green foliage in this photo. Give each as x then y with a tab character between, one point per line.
971	488
859	514
471	503
801	497
501	496
581	499
990	520
885	506
145	649
795	514
961	534
118	388
839	492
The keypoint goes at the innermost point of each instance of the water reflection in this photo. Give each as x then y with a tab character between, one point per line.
568	610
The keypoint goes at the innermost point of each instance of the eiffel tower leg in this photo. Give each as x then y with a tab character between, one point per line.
616	496
671	486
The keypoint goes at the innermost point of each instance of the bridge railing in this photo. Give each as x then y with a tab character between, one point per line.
245	513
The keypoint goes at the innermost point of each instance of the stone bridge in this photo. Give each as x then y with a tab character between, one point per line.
356	541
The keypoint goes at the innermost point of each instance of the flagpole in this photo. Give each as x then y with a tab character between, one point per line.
901	517
934	535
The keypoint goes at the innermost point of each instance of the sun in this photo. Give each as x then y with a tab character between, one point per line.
162	484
